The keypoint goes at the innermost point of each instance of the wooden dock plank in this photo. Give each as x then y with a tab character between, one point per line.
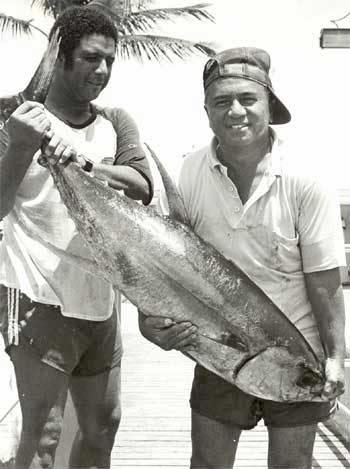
155	428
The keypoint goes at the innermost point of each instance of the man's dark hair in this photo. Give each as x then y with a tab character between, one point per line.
78	21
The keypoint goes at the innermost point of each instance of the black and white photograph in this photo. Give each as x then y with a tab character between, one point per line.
174	234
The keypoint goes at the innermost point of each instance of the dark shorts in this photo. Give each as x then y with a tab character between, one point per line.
215	398
74	346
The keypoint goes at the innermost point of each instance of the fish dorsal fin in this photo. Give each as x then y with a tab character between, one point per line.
177	209
39	85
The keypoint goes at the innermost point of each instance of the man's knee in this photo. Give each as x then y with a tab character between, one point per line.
101	433
113	421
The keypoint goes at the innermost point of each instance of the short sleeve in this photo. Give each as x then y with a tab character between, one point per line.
319	226
129	148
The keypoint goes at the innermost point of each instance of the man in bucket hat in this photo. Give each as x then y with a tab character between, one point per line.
283	229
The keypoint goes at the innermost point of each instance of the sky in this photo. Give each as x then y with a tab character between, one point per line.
166	100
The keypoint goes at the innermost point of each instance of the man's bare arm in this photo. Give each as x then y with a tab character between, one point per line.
126	178
326	297
26	128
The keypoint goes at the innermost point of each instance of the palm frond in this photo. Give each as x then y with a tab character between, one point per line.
55	7
17	26
150	47
145	20
142	20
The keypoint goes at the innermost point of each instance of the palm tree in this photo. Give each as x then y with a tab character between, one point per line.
135	22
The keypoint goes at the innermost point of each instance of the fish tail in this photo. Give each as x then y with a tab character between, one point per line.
39	85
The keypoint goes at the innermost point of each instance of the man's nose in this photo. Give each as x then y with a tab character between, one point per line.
102	67
236	108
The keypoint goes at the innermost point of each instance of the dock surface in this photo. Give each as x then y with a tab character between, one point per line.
155	428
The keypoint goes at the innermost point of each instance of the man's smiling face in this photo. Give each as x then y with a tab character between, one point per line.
238	111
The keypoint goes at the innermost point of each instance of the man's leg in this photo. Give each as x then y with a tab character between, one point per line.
42	393
97	403
214	444
291	448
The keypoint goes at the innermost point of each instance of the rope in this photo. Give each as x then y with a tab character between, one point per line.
8	411
13	312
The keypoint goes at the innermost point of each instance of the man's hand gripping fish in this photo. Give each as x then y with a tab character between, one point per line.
165	269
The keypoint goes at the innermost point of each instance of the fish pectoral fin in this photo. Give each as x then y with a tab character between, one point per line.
223	360
88	265
83	263
177	209
229	339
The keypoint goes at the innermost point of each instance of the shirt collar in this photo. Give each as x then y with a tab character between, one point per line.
271	163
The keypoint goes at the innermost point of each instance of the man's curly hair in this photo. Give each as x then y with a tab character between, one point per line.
75	22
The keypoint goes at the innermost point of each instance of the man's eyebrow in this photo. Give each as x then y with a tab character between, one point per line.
224	95
95	52
236	94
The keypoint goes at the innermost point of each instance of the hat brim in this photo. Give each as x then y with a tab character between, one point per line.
279	112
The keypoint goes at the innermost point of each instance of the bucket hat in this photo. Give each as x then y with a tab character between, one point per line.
252	64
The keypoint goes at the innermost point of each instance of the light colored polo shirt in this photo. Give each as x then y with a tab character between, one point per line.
290	225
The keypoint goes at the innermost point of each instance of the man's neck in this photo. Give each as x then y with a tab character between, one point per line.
241	158
242	164
63	106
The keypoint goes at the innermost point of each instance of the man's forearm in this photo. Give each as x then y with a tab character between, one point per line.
124	178
13	166
326	297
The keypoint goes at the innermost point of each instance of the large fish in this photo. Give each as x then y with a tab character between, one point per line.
165	269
